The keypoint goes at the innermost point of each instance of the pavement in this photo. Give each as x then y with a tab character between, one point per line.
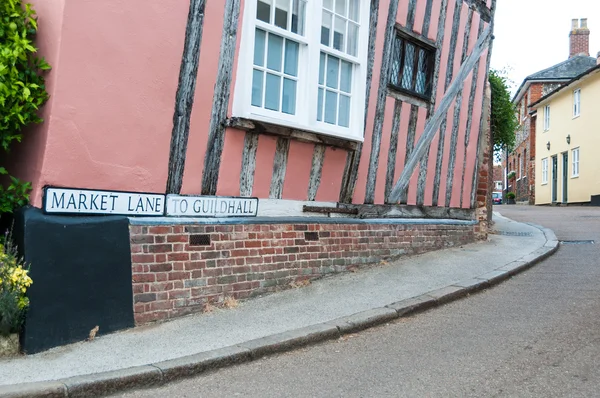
326	309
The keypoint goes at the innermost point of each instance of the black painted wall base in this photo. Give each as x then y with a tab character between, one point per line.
81	271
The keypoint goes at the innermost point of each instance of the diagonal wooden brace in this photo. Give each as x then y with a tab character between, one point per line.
436	119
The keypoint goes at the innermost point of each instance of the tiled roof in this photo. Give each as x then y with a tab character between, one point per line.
565	70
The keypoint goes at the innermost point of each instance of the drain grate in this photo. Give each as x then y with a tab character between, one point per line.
577	242
507	233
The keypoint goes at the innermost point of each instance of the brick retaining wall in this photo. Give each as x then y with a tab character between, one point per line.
176	270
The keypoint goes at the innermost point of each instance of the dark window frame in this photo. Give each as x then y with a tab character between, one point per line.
401	38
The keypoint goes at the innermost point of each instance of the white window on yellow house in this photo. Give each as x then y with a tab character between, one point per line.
545	171
576	103
547	118
303	64
575	165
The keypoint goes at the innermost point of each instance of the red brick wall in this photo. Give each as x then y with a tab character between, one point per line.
172	277
579	42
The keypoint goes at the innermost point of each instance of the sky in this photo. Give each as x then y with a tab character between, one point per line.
531	35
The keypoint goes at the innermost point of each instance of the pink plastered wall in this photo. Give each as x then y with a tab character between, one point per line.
113	90
27	159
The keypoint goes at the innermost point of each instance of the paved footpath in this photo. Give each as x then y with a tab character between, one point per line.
326	309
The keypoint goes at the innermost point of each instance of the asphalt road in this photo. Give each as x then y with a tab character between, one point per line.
535	335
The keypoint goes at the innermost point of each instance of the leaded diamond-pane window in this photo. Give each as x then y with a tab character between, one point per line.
411	70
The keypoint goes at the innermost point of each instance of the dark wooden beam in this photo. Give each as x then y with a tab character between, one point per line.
410	144
480	6
427	18
472	96
456	116
449	73
323	209
316	170
216	131
279	168
184	98
424	163
380	105
248	164
410	17
410	212
353	158
259	127
391	163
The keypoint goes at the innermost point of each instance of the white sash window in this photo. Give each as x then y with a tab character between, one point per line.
302	64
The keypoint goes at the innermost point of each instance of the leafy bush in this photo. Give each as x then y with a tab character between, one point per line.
14	281
22	88
510	195
511	175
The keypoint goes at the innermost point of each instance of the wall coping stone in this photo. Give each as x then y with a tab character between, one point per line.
292	220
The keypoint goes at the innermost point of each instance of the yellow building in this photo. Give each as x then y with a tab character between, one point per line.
568	141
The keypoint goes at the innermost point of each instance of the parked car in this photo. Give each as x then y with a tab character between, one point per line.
497	198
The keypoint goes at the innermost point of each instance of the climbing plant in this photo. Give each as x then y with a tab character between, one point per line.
22	89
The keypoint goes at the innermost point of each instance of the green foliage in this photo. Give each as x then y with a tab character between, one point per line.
511	175
510	195
22	88
14	282
503	117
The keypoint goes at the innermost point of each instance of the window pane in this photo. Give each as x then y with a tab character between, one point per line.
322	69
328	4
291	58
344	111
272	92
289	97
298	16
340	7
333	68
346	77
420	86
330	107
275	52
396	57
409	61
281	13
259	47
320	105
257	87
263	10
354	10
326	29
339	33
352	48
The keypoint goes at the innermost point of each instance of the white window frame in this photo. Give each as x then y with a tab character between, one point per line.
575	162
308	74
544	171
547	118
576	103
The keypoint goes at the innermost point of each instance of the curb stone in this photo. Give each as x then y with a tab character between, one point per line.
166	371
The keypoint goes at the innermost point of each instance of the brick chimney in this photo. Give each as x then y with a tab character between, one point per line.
579	38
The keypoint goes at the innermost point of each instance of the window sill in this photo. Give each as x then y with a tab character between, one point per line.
577	176
544	183
576	116
261	127
407	97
